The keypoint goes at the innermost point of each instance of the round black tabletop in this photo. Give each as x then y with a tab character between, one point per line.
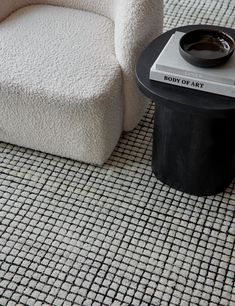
175	96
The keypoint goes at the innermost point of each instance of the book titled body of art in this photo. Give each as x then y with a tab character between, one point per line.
171	68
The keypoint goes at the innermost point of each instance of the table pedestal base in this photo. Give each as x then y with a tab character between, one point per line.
193	152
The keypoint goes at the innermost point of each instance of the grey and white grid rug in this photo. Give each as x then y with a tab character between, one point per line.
75	234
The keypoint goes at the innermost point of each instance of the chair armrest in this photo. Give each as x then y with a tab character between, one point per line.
137	23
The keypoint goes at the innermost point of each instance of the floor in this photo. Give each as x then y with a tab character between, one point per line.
76	234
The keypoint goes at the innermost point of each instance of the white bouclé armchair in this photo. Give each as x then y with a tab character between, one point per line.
67	73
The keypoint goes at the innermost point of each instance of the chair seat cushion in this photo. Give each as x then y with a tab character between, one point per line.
60	82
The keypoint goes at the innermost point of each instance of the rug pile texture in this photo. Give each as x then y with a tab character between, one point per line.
76	234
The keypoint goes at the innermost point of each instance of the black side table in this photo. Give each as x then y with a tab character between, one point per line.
194	131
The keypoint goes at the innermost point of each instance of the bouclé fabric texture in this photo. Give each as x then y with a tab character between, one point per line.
67	82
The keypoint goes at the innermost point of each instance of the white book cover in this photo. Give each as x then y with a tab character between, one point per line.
171	61
208	86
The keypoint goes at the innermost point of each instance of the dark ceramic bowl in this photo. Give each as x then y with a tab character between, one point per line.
206	48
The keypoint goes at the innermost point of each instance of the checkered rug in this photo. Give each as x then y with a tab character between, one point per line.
76	234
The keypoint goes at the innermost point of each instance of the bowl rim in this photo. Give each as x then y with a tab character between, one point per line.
204	31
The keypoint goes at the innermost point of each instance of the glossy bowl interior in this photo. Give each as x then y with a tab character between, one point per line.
206	48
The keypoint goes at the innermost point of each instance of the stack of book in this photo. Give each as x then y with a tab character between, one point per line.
171	68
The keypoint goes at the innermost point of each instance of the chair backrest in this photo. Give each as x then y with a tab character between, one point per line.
137	22
103	7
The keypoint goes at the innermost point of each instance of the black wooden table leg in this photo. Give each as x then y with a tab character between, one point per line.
193	152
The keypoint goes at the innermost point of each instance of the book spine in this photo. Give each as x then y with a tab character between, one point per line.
195	75
188	82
